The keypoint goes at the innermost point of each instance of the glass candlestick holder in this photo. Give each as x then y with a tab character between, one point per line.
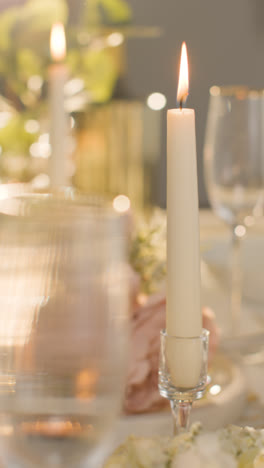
183	374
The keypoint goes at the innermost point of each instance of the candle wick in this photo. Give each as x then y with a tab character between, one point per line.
181	103
182	100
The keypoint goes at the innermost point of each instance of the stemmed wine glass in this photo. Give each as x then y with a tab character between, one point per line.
63	308
234	170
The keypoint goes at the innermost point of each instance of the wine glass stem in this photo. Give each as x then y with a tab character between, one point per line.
236	283
181	411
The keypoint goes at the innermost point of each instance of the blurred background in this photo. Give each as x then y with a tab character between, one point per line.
225	43
111	88
120	52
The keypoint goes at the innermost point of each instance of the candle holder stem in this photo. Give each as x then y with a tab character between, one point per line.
181	411
183	374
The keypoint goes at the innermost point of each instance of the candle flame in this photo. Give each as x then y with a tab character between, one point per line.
183	86
58	42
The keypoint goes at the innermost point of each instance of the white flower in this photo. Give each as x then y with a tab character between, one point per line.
206	452
140	453
227	448
187	459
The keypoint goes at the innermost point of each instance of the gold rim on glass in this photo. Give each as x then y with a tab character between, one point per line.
238	92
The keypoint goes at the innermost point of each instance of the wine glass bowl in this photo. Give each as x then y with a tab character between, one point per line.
63	306
234	169
234	146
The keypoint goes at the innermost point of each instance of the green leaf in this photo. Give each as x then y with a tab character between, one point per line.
116	11
107	11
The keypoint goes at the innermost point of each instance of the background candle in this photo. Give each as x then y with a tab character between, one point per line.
58	119
184	317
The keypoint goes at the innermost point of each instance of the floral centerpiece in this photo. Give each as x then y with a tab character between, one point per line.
234	447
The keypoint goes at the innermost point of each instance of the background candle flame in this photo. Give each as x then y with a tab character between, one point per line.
58	42
183	86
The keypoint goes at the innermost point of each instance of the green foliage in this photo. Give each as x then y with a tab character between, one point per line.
99	73
24	52
7	21
24	47
14	138
148	252
107	12
28	64
116	11
97	69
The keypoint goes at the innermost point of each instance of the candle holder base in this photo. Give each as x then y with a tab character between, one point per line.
183	374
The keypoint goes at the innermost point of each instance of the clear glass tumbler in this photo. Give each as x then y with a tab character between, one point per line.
63	311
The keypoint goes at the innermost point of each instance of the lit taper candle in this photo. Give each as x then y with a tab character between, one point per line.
58	119
184	317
